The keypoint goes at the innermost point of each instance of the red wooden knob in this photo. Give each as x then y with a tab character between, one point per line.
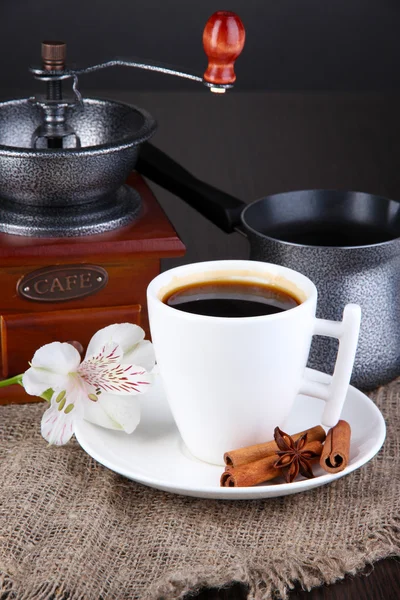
223	41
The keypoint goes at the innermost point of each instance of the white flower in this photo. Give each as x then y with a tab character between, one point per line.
101	388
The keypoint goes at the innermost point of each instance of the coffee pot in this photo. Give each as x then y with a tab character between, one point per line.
348	243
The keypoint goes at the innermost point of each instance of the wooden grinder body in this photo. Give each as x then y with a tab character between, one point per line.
65	289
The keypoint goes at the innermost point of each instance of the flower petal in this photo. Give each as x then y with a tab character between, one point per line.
51	366
36	381
57	357
142	354
126	335
66	407
114	412
94	413
57	427
105	372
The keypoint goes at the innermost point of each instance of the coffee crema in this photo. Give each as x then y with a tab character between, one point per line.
230	299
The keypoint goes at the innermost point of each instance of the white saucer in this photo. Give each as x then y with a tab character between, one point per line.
155	455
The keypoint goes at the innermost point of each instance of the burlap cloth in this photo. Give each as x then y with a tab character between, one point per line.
69	528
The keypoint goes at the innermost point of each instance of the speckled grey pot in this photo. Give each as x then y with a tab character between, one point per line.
347	243
39	181
368	275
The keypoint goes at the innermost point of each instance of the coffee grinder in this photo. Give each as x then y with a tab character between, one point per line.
81	234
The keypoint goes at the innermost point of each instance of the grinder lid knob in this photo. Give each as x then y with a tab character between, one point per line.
54	55
223	41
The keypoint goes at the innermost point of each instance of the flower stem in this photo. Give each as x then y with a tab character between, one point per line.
11	381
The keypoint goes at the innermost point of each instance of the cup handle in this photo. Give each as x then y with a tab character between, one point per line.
334	393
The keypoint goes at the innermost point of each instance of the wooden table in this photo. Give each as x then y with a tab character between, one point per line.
380	581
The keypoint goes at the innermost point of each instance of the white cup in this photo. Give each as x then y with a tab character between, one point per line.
231	381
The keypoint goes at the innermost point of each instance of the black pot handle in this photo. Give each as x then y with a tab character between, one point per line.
218	207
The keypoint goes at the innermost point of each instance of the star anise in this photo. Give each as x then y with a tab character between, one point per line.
294	456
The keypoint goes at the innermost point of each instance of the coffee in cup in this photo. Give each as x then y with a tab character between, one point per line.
230	298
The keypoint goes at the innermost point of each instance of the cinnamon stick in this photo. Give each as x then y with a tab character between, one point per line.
251	474
259	471
249	454
336	451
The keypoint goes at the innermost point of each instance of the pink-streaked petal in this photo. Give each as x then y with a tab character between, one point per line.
57	427
108	354
126	335
114	412
142	354
59	420
104	372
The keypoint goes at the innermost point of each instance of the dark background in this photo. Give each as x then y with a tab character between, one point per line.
291	44
316	105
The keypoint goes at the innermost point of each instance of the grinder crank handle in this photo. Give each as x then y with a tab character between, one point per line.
217	206
223	41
